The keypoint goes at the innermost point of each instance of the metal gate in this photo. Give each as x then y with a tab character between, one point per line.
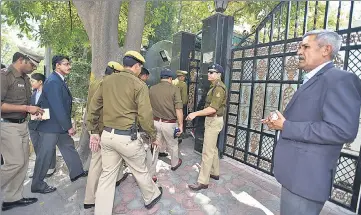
264	77
194	67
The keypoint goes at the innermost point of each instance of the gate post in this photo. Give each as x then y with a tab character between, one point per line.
217	32
183	45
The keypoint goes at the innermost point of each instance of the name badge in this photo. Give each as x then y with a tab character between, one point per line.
21	85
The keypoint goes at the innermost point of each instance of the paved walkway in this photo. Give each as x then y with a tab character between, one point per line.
241	190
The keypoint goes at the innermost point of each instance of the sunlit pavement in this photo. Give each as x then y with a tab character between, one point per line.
240	190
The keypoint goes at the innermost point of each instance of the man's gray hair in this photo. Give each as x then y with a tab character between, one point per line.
327	37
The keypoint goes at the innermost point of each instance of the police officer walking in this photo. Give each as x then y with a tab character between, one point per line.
15	100
167	111
214	111
150	163
95	167
124	99
183	87
144	75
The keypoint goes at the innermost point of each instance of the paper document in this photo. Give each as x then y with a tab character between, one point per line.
45	116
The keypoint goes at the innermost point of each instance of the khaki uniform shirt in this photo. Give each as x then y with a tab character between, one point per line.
16	90
93	87
217	97
183	90
165	98
122	97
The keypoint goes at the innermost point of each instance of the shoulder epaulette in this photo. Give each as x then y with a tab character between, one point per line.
4	71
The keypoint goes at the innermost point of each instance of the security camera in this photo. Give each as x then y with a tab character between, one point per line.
164	55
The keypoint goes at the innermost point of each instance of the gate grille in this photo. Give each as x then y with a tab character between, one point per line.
265	75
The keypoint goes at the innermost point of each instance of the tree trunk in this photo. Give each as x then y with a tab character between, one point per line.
135	25
100	19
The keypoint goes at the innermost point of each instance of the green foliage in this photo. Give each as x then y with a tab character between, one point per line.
251	13
78	79
78	84
8	47
191	13
163	19
54	25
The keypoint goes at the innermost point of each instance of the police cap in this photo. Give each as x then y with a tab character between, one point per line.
216	68
33	57
166	73
115	65
181	72
135	55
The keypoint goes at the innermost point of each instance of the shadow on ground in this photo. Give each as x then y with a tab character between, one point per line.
241	190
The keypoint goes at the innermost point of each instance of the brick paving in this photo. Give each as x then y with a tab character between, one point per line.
241	190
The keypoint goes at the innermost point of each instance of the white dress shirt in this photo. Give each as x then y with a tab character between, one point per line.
37	96
61	76
313	72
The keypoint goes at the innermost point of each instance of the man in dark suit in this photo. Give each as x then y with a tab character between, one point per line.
58	129
322	115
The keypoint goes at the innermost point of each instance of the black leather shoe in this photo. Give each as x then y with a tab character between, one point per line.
198	186
150	205
84	174
20	203
48	189
178	165
215	177
162	154
88	206
122	179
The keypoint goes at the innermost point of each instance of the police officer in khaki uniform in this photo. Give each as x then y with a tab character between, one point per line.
15	100
95	167
144	75
182	85
214	111
167	111
150	163
124	99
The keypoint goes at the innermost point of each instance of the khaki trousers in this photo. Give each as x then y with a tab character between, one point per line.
210	159
95	169
15	150
165	136
149	157
115	148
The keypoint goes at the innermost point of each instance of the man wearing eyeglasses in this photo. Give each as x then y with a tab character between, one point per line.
15	106
58	129
213	111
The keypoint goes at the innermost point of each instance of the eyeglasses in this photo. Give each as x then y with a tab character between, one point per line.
211	72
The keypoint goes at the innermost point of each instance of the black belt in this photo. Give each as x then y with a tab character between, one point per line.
19	121
117	131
